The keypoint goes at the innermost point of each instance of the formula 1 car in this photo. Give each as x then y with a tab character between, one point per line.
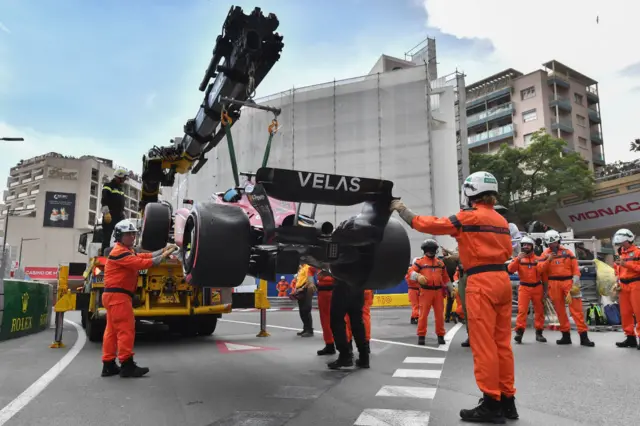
256	229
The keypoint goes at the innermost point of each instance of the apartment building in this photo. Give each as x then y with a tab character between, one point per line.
510	106
51	199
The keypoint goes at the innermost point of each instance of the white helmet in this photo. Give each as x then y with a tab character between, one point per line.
282	277
125	226
477	183
527	240
551	236
120	173
623	235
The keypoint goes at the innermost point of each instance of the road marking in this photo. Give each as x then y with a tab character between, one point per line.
441	348
417	374
226	347
382	417
423	360
39	385
407	392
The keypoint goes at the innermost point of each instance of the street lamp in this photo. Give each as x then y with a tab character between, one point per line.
22	240
12	139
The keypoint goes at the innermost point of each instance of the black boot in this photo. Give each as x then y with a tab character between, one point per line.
414	320
368	347
488	411
465	344
565	340
131	369
110	368
345	360
363	356
519	334
441	340
299	333
629	342
421	340
307	333
509	407
539	337
329	349
584	340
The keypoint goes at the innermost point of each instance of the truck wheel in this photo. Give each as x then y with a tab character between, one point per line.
206	324
217	245
95	329
381	265
83	318
156	226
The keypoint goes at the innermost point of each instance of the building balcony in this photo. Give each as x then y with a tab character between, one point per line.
35	191
563	125
596	137
27	180
493	135
594	116
563	103
492	114
485	97
10	197
38	177
23	194
14	184
559	79
598	159
592	95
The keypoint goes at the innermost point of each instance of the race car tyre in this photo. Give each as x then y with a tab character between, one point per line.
216	246
206	324
83	318
95	329
156	226
381	265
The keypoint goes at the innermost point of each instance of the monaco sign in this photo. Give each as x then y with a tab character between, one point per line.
604	213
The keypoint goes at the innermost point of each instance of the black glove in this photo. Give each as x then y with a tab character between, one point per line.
136	302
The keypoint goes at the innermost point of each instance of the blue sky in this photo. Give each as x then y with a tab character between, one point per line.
113	78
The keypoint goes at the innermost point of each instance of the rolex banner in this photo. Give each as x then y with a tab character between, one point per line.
26	308
59	209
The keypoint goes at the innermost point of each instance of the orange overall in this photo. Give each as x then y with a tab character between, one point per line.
459	309
294	284
629	299
120	283
414	294
366	316
282	288
325	285
484	244
434	271
560	271
529	290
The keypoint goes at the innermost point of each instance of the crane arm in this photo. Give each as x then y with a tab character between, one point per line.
244	53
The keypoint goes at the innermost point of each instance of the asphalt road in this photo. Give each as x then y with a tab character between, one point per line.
223	380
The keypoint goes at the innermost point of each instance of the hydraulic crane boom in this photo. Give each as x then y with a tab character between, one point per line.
250	47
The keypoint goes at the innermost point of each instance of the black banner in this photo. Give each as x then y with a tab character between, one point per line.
59	209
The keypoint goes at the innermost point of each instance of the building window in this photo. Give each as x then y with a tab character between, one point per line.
92	218
527	139
581	120
577	98
582	142
528	93
529	115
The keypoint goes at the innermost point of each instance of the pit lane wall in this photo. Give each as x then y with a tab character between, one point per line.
25	308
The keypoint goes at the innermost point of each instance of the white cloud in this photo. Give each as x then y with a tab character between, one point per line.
150	99
4	28
567	31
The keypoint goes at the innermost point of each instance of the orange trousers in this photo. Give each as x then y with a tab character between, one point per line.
488	301
366	317
428	299
558	291
324	306
414	299
629	301
526	295
282	293
121	327
459	310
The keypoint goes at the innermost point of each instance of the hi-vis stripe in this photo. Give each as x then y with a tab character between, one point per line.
112	190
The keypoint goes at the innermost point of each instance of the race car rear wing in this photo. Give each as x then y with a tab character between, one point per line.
321	188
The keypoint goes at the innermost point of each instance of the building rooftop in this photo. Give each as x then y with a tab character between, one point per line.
570	72
509	73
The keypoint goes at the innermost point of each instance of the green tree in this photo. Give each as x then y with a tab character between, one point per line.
635	146
533	179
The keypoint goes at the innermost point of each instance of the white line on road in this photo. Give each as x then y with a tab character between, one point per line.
39	385
382	417
442	348
407	392
423	360
417	374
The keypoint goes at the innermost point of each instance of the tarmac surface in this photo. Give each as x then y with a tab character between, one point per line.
236	378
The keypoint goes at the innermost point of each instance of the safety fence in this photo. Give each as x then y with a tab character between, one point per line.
25	308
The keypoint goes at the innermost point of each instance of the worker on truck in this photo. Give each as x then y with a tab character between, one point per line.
120	284
112	203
